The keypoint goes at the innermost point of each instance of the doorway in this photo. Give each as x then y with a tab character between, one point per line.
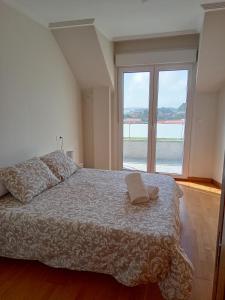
155	107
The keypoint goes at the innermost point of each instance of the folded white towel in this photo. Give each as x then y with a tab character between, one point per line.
138	192
153	191
136	189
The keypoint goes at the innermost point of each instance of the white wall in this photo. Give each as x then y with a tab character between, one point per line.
39	96
102	127
203	135
88	130
220	138
208	128
97	128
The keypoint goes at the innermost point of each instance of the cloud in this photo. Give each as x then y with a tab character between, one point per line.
172	88
140	77
136	89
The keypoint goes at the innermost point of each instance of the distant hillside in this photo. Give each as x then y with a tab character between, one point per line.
164	113
182	107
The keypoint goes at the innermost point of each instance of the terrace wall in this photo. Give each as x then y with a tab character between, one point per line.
167	150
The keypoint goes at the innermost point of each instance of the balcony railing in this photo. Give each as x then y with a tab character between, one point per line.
169	151
169	155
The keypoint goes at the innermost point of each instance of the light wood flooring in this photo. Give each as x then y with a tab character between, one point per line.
199	212
25	280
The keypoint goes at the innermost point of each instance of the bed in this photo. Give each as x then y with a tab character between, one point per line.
86	223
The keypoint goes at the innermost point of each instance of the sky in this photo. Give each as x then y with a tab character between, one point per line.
172	89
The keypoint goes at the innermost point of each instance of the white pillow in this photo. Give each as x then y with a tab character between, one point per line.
3	189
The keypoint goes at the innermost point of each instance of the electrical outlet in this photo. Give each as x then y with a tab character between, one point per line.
61	142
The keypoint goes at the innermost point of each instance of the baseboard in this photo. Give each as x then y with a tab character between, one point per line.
195	179
201	180
217	184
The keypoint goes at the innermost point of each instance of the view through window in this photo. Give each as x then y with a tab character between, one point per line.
170	120
135	120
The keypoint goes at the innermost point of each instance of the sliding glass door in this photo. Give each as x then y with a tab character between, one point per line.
135	118
154	126
171	118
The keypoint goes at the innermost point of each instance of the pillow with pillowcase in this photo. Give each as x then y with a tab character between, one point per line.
61	165
28	179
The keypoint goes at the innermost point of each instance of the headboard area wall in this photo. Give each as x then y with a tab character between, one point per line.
39	97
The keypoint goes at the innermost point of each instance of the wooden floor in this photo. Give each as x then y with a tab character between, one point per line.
199	215
24	280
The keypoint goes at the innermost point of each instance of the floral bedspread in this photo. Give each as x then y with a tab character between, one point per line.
87	223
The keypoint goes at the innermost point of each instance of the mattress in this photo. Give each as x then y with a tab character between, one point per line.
87	223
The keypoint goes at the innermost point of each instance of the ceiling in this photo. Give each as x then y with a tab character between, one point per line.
211	62
86	58
120	19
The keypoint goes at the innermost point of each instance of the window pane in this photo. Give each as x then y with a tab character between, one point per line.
171	115
135	120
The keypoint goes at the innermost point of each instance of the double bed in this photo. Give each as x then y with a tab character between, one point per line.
87	223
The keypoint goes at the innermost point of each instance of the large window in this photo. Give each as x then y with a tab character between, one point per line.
154	109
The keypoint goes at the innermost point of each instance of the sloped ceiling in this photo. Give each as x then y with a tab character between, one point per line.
211	63
108	53
89	54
